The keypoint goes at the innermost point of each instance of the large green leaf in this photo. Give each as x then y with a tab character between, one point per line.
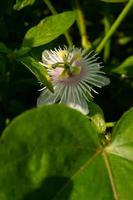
38	70
53	153
49	29
126	67
22	3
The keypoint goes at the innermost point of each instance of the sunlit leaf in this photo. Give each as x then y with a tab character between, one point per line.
49	29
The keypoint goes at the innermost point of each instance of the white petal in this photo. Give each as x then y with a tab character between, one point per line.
101	80
74	98
46	97
81	106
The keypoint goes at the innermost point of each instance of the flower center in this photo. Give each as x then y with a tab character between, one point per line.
69	70
70	64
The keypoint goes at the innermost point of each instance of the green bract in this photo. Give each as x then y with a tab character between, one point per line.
38	70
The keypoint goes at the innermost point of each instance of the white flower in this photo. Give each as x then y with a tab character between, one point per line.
74	77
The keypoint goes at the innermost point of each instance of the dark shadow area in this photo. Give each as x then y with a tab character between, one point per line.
115	98
51	189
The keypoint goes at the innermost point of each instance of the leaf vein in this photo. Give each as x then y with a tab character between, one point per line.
76	174
110	173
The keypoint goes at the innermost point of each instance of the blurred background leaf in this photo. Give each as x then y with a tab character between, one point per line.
126	67
4	48
22	3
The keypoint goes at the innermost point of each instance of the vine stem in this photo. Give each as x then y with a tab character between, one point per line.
54	12
116	24
107	25
82	27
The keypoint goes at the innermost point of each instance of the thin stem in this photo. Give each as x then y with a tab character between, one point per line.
68	38
82	27
54	12
115	25
51	7
107	26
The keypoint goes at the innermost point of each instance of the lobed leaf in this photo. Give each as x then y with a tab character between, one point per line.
53	152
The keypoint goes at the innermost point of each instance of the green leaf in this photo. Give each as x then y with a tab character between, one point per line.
121	156
41	149
22	3
49	29
124	40
53	153
4	48
115	1
38	70
126	67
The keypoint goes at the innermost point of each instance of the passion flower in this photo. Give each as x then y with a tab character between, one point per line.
74	77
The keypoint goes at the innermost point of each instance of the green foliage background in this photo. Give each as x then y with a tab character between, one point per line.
72	157
19	88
